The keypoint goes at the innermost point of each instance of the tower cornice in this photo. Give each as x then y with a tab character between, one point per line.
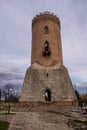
45	16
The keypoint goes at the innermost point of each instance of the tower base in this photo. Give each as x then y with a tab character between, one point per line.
47	84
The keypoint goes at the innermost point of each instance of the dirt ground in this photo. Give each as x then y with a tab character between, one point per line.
49	120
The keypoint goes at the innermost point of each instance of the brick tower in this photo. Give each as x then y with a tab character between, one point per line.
46	40
47	79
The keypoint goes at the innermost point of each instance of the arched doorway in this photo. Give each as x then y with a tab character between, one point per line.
47	95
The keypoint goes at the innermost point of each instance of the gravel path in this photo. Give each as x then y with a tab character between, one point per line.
39	121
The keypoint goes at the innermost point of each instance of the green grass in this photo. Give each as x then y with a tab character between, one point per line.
5	106
4	125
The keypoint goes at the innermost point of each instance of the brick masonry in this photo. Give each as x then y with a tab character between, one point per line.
39	38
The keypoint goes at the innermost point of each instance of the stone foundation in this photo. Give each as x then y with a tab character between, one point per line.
47	106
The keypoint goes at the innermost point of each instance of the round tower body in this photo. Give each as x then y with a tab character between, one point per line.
46	40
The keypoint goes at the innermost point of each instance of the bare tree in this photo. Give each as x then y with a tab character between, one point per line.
0	94
77	95
8	91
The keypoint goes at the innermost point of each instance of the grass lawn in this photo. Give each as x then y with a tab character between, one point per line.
5	105
4	125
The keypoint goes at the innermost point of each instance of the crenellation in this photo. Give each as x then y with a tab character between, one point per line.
44	17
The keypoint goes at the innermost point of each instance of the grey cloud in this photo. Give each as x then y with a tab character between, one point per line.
82	87
13	76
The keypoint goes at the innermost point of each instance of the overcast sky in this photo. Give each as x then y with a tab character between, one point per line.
15	36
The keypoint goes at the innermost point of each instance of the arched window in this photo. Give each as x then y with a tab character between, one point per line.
46	51
46	30
47	95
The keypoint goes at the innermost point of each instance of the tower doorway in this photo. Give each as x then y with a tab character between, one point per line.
47	95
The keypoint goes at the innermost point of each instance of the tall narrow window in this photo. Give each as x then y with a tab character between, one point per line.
46	45
47	95
46	30
46	51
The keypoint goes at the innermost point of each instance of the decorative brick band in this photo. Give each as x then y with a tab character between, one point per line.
47	106
44	17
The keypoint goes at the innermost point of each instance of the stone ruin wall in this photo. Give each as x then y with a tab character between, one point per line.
39	78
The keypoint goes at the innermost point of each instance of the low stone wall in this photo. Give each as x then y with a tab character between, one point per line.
47	106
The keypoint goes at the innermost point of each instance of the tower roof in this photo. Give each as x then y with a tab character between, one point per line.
44	17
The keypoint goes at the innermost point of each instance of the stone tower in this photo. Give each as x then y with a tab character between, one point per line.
47	79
